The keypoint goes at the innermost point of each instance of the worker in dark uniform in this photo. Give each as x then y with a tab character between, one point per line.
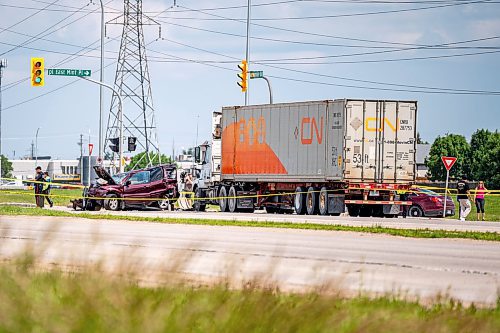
46	188
39	187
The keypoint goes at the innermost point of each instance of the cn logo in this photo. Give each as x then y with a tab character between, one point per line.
312	127
371	125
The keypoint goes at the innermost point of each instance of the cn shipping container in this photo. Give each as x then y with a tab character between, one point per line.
320	141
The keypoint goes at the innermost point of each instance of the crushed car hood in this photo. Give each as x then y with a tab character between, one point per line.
102	173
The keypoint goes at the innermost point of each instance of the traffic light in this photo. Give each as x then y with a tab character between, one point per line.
37	74
243	75
131	143
115	144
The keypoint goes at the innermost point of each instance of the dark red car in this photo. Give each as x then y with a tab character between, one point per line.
133	189
429	203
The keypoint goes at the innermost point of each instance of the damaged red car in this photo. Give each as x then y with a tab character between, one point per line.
152	187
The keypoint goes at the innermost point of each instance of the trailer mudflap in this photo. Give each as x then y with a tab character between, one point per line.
391	209
336	203
245	199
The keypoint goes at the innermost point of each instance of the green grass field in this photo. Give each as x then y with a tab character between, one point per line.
61	197
36	301
492	209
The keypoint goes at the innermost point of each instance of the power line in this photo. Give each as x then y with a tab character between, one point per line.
286	18
458	91
45	32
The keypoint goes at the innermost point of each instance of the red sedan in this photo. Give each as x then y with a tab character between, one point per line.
429	203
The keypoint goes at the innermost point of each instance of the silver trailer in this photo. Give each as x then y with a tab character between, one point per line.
331	153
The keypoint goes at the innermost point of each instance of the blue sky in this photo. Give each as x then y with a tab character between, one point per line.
310	50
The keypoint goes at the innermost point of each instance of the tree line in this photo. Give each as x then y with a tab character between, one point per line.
477	160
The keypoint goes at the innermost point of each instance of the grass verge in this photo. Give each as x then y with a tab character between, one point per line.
34	301
415	233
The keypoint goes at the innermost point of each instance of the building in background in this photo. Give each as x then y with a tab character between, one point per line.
422	153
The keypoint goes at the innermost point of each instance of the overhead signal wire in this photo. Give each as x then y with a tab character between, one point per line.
303	32
432	89
427	47
61	62
46	32
393	11
29	16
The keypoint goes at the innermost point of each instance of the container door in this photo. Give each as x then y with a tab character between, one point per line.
405	138
370	143
354	138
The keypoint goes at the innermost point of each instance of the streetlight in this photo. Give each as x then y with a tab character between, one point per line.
3	63
36	147
101	148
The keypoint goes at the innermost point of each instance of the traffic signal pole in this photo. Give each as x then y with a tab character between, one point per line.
120	118
247	54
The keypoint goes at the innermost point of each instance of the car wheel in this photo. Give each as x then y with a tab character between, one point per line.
299	202
111	202
164	203
415	211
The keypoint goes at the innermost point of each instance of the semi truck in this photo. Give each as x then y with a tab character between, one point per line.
313	157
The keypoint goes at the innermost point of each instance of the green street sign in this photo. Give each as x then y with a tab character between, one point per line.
69	72
256	74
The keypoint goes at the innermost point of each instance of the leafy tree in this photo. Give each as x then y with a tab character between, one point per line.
449	145
141	160
485	157
6	167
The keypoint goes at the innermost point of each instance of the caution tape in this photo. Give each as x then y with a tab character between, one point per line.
193	197
32	181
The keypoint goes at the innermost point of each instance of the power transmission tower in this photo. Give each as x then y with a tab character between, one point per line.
133	83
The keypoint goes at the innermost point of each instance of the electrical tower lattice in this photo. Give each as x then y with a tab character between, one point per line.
133	83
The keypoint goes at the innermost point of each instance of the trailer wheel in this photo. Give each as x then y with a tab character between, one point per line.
312	201
299	202
199	205
223	199
365	211
232	200
353	210
323	201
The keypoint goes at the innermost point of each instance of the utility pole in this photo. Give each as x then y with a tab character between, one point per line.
3	63
81	158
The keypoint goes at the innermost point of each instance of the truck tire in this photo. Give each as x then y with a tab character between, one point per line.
164	202
232	201
312	201
111	202
299	202
223	199
323	201
353	210
199	205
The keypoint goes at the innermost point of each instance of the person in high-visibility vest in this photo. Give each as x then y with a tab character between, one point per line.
403	196
46	188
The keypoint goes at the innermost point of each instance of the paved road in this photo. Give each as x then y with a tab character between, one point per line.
408	223
294	259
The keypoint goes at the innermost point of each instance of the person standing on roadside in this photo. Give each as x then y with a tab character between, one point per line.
463	198
39	187
46	188
479	194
